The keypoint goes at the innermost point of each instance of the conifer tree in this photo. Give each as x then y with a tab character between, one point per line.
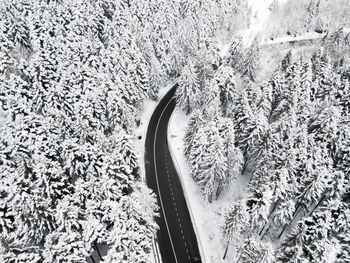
187	94
194	124
225	80
251	62
236	53
256	251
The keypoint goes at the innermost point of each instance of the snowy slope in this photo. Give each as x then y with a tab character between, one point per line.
207	218
260	14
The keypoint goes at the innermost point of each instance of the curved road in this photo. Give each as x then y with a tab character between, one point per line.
176	237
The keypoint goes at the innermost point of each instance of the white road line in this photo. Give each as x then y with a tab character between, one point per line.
175	206
155	167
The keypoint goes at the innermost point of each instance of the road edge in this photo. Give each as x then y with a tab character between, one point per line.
155	245
178	170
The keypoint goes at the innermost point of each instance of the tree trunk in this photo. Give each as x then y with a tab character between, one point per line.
273	210
267	230
245	165
98	251
284	228
297	209
225	254
219	190
319	202
262	229
239	258
295	215
210	198
291	221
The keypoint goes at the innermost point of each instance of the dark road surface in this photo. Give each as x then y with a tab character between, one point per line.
176	237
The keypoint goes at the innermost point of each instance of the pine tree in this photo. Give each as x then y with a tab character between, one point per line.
313	11
311	240
256	251
249	127
235	226
287	61
342	154
264	100
193	125
64	246
132	231
225	80
316	178
204	68
233	154
324	125
13	251
208	169
187	93
16	27
211	105
251	63
214	54
236	53
325	77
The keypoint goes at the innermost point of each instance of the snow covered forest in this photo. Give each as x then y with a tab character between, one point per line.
73	76
283	137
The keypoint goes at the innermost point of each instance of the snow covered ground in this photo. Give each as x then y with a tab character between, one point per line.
207	218
260	12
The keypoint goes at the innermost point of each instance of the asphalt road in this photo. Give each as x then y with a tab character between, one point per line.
176	237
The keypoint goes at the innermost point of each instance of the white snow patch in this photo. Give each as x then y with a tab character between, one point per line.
260	12
207	218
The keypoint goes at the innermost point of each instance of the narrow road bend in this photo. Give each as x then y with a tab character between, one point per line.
176	238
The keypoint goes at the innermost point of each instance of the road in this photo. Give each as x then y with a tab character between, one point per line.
292	44
176	238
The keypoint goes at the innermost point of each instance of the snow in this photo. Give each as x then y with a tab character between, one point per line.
260	11
207	218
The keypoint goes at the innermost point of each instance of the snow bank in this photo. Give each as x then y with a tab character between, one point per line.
206	218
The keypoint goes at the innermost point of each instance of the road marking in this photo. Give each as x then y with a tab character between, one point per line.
175	206
155	167
172	193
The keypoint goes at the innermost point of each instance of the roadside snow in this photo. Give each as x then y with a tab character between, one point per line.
207	218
